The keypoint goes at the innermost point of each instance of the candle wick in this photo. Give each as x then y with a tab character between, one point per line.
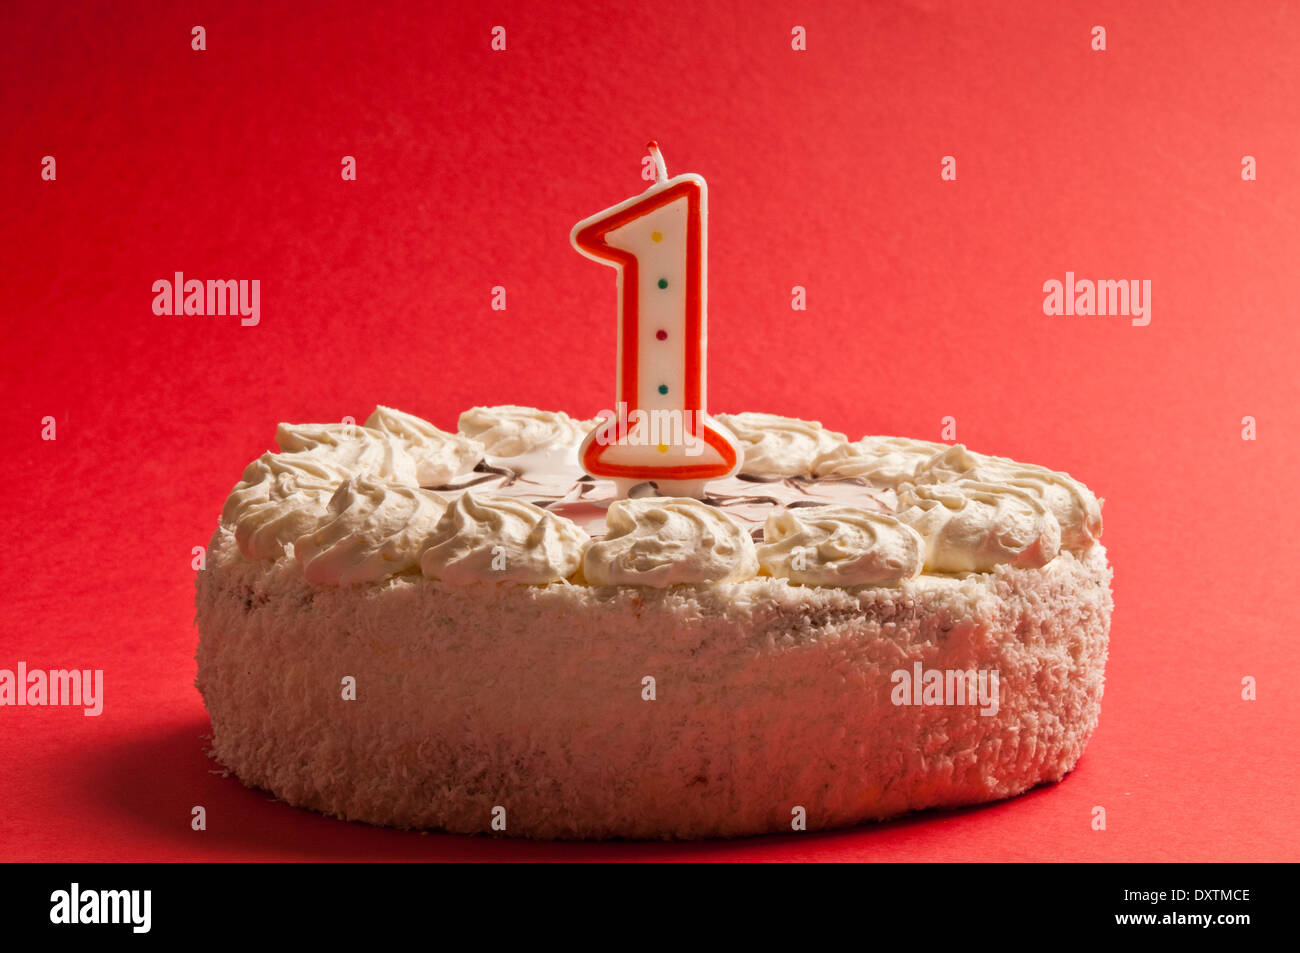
661	170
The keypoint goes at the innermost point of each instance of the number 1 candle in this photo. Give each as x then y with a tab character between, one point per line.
659	431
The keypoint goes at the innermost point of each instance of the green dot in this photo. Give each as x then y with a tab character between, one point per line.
663	282
663	388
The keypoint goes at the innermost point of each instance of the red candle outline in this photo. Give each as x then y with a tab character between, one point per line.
592	240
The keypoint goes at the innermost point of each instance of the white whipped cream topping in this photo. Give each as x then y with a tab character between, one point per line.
973	512
1074	506
840	546
358	450
281	496
439	456
492	538
510	431
663	541
780	446
295	469
972	527
947	463
883	461
371	531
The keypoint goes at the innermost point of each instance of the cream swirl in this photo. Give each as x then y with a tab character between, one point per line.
840	546
882	461
947	463
489	538
780	446
1074	506
663	541
360	451
439	456
371	531
512	431
281	496
972	527
261	476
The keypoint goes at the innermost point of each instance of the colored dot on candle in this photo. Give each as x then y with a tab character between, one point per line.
663	388
656	236
663	448
662	335
663	282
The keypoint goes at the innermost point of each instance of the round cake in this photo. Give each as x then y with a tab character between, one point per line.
464	632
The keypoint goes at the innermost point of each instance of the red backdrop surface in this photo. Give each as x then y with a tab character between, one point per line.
924	299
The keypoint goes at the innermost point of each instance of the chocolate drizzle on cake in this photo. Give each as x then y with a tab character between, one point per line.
454	487
559	486
724	500
488	472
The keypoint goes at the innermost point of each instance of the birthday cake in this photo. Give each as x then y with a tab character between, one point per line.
466	632
655	623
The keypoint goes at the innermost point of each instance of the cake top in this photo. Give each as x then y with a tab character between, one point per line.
504	500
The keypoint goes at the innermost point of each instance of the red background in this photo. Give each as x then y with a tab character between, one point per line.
924	300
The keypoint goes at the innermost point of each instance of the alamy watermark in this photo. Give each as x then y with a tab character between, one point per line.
946	686
53	687
653	428
1124	297
127	907
215	296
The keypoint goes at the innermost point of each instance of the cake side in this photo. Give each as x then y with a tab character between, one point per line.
768	696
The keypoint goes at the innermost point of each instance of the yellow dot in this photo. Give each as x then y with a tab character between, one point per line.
656	236
663	448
